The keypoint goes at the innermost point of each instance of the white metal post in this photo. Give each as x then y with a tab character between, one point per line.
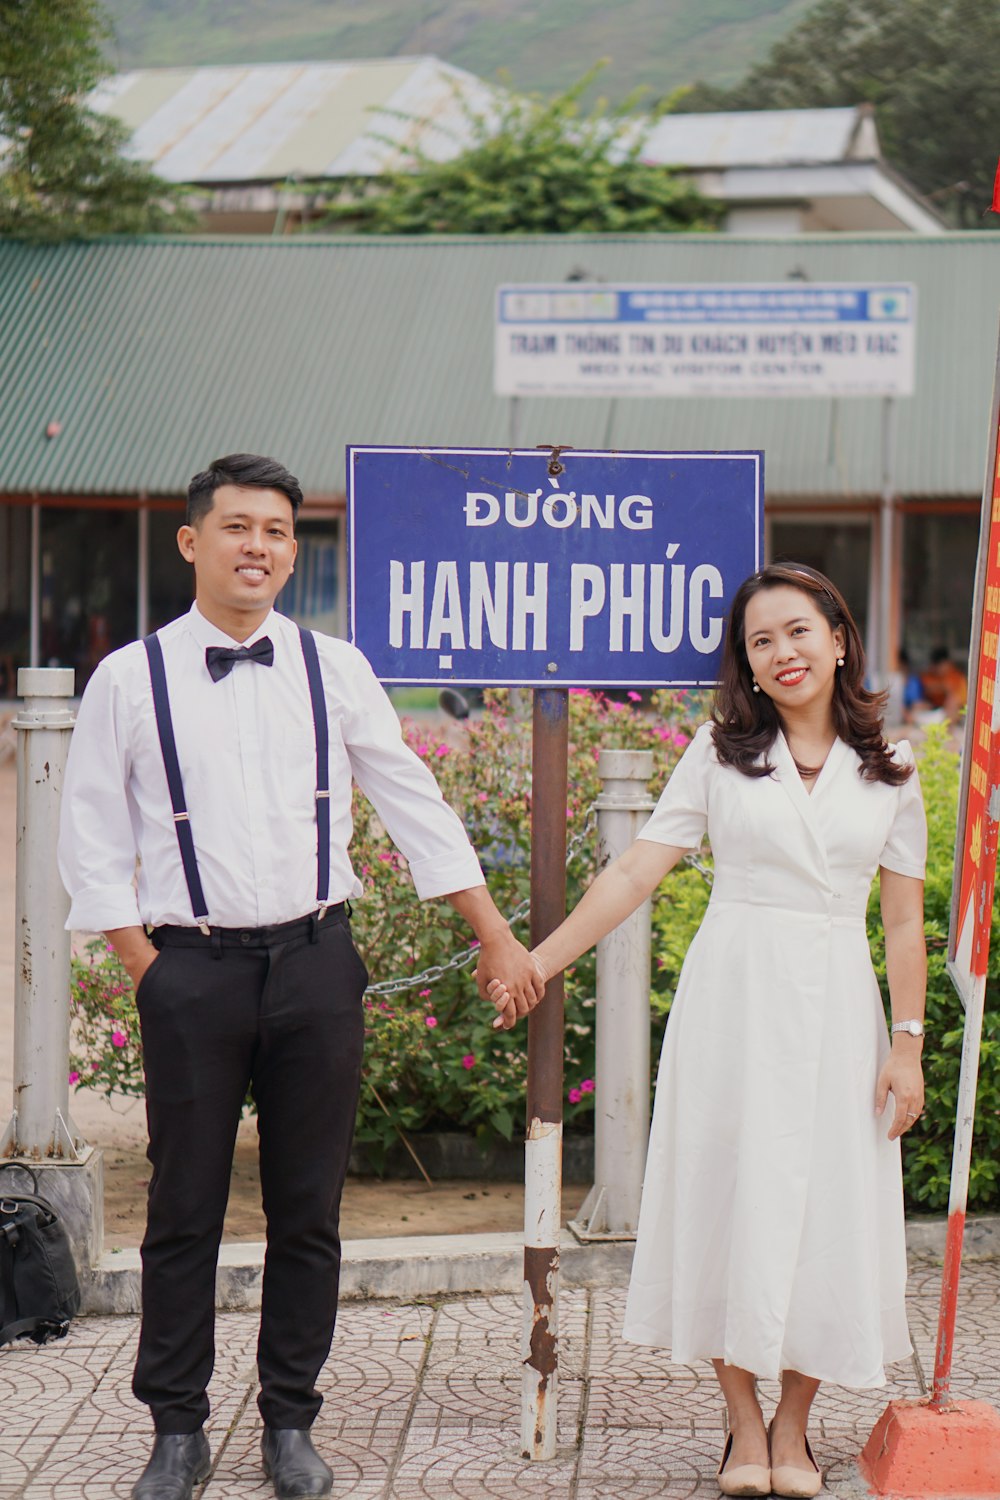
621	1124
887	517
142	572
40	1126
35	588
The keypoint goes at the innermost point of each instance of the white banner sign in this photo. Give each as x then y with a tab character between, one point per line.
781	339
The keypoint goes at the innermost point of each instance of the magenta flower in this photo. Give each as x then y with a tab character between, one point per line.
442	750
424	994
430	1021
469	1060
118	1039
636	697
574	1096
74	1077
587	1086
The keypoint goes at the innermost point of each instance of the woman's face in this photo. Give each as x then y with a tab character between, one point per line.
791	649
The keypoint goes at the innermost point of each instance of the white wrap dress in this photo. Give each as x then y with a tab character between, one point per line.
771	1233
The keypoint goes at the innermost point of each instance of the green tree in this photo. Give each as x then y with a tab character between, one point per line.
931	68
62	168
534	166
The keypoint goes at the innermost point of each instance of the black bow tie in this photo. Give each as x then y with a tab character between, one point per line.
220	660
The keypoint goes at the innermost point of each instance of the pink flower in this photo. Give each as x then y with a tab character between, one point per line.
74	1077
424	994
422	749
469	1060
617	708
680	740
118	1039
94	1067
587	1086
574	1096
430	1021
484	796
636	697
441	751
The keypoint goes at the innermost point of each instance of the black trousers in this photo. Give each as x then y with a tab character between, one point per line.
277	1010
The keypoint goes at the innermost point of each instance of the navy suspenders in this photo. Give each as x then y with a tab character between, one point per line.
175	784
322	728
168	747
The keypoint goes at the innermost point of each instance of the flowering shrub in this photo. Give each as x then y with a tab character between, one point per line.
433	1060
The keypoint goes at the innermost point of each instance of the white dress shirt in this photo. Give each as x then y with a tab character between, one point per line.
247	753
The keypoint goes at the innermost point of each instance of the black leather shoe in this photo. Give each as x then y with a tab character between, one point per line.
292	1463
178	1462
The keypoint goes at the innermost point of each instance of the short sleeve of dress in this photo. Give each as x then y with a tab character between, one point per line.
905	850
680	817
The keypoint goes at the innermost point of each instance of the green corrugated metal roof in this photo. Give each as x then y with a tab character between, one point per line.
156	355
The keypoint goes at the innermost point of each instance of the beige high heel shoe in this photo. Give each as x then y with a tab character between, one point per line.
792	1483
745	1479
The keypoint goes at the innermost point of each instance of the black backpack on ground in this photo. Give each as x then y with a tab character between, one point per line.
39	1290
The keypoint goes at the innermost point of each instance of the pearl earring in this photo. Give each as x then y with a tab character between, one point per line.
756	685
840	661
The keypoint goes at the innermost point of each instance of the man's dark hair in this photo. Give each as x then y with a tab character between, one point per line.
248	470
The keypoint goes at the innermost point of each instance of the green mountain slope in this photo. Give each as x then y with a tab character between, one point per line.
544	45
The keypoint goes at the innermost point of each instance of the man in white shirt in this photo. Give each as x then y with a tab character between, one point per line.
233	795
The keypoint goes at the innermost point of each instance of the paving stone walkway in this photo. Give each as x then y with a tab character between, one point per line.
422	1403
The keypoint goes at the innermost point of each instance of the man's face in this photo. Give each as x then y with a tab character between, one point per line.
242	551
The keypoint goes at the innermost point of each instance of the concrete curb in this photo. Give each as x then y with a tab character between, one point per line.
441	1265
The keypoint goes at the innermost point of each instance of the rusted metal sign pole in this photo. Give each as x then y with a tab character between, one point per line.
543	1146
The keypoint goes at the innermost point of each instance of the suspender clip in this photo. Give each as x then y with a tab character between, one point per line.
320	793
203	926
182	817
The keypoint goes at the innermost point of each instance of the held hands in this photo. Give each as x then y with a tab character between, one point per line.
506	1002
902	1076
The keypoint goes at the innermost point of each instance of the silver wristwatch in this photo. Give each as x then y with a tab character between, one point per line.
915	1028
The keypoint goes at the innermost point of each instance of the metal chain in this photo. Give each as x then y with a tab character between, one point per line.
705	871
467	956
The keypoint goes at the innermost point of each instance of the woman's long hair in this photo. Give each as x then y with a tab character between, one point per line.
745	724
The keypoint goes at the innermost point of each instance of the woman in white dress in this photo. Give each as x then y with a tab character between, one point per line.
771	1236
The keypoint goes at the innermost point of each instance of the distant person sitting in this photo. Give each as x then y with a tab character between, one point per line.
905	691
944	684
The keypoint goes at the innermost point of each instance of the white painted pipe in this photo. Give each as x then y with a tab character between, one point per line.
621	1119
540	1320
40	1126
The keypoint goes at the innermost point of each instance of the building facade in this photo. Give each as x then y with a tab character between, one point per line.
127	365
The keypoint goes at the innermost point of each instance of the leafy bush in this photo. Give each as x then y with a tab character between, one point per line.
928	1146
433	1060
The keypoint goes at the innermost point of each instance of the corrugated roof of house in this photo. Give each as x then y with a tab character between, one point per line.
764	138
156	355
271	121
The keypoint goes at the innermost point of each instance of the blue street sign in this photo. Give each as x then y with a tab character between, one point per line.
482	566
